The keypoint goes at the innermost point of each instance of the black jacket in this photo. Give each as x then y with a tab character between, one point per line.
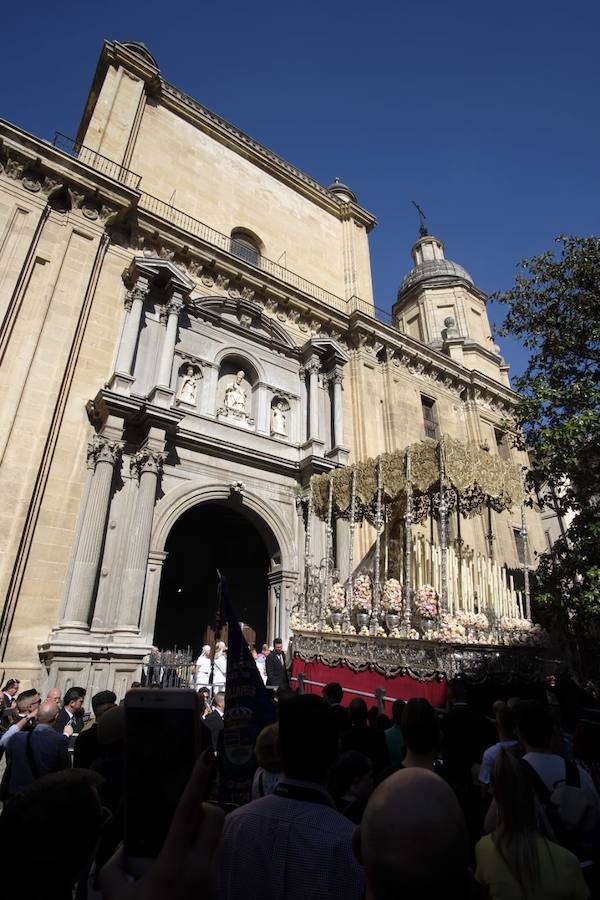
277	673
214	723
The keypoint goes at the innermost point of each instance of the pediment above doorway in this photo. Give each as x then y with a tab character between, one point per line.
160	273
238	313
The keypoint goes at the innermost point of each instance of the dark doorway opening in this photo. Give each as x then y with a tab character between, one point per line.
205	539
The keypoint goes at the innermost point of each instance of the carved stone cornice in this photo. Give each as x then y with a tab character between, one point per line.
45	170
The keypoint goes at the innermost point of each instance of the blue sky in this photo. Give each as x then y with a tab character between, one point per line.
486	113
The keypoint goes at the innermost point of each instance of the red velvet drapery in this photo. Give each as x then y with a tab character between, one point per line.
400	687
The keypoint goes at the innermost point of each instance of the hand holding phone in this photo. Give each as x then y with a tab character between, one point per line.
162	744
185	868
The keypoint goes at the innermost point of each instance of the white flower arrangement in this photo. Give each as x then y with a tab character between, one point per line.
337	597
391	600
507	623
362	594
482	622
426	601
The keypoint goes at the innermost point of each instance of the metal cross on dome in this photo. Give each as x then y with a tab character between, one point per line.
422	226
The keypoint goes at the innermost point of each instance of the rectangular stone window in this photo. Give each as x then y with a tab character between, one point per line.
502	443
519	545
413	327
429	417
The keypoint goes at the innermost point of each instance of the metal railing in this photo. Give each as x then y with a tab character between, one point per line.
230	245
96	161
238	248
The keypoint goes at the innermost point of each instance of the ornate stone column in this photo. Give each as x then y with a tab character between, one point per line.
336	379
312	368
147	464
134	304
172	310
78	608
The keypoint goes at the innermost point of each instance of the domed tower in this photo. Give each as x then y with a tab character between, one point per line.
439	304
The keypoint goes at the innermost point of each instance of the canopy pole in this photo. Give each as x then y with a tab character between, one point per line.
525	537
443	532
308	555
328	553
490	532
408	520
459	555
377	573
349	595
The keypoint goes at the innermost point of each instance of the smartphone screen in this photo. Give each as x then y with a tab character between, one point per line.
161	747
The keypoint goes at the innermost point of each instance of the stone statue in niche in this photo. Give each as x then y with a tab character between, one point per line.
235	395
188	386
279	411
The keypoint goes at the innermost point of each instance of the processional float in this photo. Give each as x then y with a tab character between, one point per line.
413	596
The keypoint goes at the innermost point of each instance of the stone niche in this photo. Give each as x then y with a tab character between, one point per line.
188	385
236	389
280	418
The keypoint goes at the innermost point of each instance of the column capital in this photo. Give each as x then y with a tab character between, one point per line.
147	460
172	307
137	292
101	449
334	377
312	366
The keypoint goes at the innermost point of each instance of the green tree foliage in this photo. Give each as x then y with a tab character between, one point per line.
554	309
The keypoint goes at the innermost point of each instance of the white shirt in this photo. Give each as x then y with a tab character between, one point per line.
551	769
489	757
203	665
220	671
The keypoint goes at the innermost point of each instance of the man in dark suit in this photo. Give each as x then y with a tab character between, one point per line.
10	691
214	720
72	711
277	673
87	748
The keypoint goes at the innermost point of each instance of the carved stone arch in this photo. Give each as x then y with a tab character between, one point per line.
234	352
242	231
278	537
217	304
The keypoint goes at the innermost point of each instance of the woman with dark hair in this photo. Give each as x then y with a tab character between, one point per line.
516	862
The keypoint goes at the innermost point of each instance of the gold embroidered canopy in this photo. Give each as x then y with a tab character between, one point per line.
473	479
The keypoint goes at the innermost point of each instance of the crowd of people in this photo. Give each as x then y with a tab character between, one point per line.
346	802
210	669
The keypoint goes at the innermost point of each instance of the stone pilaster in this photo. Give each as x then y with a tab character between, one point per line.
147	463
172	310
336	379
312	368
103	455
134	305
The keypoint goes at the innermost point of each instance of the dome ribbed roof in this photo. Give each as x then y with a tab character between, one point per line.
432	269
339	187
141	50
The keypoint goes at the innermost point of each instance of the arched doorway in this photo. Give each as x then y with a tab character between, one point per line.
209	537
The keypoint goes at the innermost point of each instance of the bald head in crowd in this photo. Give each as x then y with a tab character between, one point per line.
413	840
55	695
47	713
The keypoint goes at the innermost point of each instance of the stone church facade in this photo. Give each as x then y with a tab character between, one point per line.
188	319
